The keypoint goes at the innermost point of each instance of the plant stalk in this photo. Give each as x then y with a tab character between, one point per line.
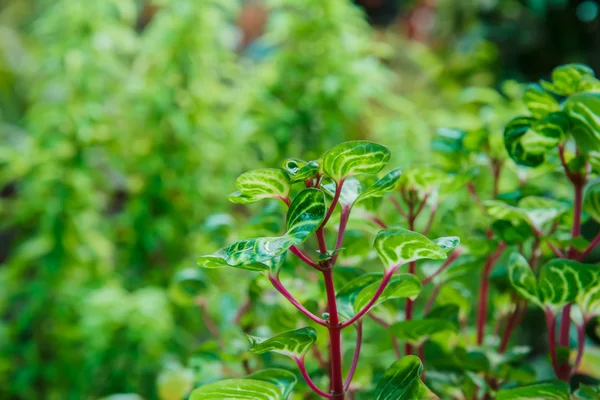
335	339
484	291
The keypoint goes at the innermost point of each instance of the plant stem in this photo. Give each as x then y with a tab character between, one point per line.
335	338
341	231
483	291
408	311
591	247
580	345
304	257
445	265
384	282
551	323
431	219
378	222
281	289
511	324
356	356
431	299
309	382
577	207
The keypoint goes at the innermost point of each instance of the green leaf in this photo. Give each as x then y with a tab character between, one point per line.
355	158
292	343
539	102
421	178
351	190
550	390
522	278
568	79
237	389
283	379
268	183
562	281
400	246
259	254
401	381
586	392
583	110
591	203
383	186
418	331
513	133
447	243
305	214
510	223
541	210
187	284
300	170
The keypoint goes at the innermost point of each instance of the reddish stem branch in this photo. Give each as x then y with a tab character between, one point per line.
281	289
431	299
384	282
416	214
355	357
431	218
475	195
551	323
580	345
335	338
341	231
590	248
483	291
309	382
304	257
455	254
378	222
398	207
512	322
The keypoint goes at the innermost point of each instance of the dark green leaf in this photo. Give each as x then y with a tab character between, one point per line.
401	381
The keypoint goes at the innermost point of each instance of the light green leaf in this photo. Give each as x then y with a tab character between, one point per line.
541	210
401	381
300	170
283	379
400	246
510	223
422	178
268	183
550	390
539	102
522	278
383	186
583	110
351	190
259	254
568	79
305	214
447	243
418	331
591	203
237	389
562	281
355	158
292	343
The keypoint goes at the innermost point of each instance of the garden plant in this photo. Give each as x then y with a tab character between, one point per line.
523	250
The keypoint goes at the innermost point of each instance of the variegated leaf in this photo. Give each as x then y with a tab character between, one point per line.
421	178
570	78
583	110
539	102
259	254
355	158
400	246
351	190
562	281
292	343
447	243
283	379
237	389
522	278
300	170
305	214
591	203
513	134
268	183
541	210
383	186
418	331
510	223
550	390
401	381
589	300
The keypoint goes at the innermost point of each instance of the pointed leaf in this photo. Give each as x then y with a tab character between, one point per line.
539	102
292	343
400	246
259	254
283	379
551	390
300	170
583	110
268	183
418	331
522	278
237	389
383	186
355	158
562	281
305	214
401	381
447	243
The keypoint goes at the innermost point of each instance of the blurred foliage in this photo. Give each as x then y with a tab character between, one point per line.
123	124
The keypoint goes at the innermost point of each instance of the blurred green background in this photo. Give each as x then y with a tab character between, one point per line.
124	123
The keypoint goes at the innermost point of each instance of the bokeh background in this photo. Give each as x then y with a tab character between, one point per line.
124	123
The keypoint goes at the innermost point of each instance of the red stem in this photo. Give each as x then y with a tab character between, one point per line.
356	356
511	324
304	257
341	230
416	214
551	323
473	191
384	282
591	247
580	345
431	218
398	206
281	289
408	311
445	265
483	291
335	338
309	382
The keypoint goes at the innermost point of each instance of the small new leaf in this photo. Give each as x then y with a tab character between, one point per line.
355	158
292	343
401	381
522	278
383	186
539	102
305	214
300	170
583	110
